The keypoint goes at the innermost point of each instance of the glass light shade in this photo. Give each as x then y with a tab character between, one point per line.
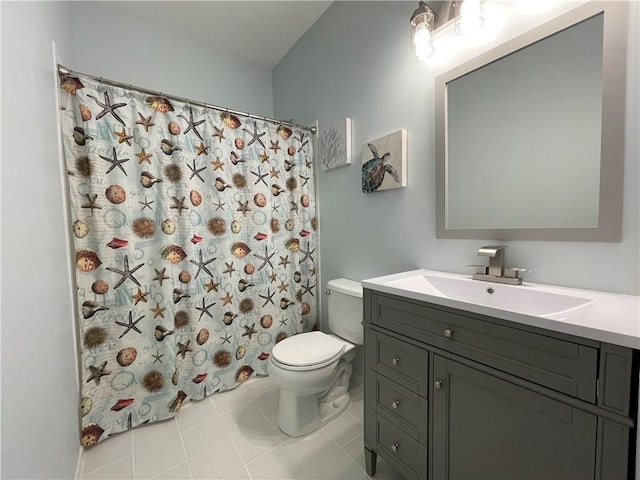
468	16
423	53
422	43
421	29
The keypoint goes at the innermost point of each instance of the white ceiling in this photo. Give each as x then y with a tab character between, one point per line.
260	31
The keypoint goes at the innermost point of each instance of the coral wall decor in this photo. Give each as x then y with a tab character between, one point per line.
335	144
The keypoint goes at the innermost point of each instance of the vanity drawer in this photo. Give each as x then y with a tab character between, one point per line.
562	365
401	404
399	361
399	446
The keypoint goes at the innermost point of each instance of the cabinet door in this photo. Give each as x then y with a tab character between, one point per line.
487	428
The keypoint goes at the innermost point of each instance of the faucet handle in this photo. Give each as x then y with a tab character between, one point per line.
480	269
515	272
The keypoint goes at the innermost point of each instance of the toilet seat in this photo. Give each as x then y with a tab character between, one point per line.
307	351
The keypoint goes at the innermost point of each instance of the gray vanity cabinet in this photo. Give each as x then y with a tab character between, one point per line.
454	395
487	428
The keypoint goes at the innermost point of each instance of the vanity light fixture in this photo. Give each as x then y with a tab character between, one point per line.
422	26
468	16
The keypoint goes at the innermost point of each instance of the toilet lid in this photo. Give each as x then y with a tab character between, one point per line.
307	349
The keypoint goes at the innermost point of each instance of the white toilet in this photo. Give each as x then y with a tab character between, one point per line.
313	369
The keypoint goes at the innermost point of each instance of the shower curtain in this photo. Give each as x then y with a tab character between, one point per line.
195	248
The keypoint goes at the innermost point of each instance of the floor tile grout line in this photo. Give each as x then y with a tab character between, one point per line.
155	442
229	437
284	442
214	415
236	389
199	422
297	461
83	473
105	465
356	465
340	446
263	454
262	412
359	421
266	419
184	449
210	398
354	460
226	412
305	470
244	465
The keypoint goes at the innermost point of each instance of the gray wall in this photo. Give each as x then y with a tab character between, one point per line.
138	51
356	61
39	384
39	381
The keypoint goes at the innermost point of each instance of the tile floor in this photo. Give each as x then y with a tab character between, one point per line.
234	435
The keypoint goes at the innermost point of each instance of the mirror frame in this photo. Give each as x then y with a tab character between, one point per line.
614	77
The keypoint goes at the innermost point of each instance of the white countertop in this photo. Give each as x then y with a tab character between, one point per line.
611	318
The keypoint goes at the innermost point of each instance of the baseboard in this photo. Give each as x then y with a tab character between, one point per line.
79	464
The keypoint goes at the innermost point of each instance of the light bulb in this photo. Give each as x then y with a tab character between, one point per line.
469	19
422	37
422	42
470	8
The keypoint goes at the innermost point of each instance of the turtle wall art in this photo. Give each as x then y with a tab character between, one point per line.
334	144
384	162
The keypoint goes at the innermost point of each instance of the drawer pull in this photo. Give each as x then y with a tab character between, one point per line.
395	360
448	333
395	404
395	447
437	384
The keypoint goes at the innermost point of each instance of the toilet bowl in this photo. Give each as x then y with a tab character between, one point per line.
313	369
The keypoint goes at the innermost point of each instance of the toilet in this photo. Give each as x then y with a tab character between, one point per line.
313	369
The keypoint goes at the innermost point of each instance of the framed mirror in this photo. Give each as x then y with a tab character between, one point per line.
530	135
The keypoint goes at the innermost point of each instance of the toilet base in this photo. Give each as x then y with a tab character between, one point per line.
302	414
299	415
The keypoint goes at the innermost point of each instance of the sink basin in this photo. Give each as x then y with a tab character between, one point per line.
521	299
606	317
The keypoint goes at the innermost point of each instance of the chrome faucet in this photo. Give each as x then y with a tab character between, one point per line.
496	271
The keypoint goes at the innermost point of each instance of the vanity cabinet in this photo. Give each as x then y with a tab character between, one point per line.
455	395
487	427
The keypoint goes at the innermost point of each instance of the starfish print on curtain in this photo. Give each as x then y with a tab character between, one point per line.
176	253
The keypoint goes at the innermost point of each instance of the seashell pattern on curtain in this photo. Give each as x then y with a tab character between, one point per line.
195	249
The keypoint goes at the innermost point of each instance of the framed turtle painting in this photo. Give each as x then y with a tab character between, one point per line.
384	163
335	144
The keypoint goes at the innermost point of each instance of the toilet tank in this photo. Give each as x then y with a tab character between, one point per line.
345	309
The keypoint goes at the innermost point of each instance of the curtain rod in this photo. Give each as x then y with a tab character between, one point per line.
66	71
